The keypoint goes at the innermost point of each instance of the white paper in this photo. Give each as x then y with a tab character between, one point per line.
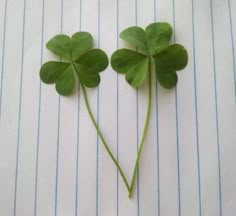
52	162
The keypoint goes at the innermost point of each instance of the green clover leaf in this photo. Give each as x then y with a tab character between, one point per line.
152	43
80	59
167	62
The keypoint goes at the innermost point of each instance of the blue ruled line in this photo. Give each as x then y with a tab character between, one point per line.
196	113
77	154
19	110
97	159
216	108
158	152
157	131
177	125
137	116
39	117
78	131
3	56
155	8
58	133
97	154
117	111
232	44
57	155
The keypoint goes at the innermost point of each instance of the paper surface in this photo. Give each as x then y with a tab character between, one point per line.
52	162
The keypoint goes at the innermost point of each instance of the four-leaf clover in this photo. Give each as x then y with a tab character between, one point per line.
151	43
79	58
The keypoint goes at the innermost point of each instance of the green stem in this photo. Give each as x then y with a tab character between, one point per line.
101	135
144	129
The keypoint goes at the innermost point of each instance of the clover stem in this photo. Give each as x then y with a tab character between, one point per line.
144	129
101	135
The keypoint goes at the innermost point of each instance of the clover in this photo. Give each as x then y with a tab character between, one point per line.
153	44
78	58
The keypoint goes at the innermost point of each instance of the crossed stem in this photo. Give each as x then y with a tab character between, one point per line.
130	187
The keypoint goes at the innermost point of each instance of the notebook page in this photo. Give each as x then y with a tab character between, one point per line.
52	160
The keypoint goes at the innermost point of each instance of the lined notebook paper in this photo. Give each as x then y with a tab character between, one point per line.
52	161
